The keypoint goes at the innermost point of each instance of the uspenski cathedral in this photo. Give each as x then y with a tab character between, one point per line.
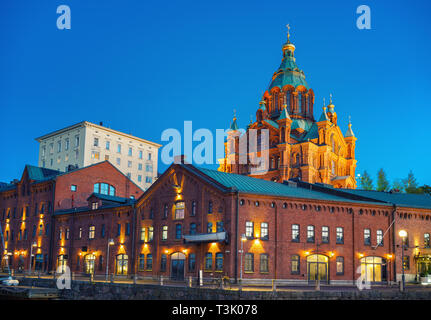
299	146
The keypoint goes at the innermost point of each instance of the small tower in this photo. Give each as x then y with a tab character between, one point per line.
331	111
232	147
285	124
350	140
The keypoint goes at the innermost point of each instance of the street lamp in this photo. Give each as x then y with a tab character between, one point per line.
403	235
34	244
243	239
110	243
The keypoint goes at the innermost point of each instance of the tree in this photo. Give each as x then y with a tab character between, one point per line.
366	181
398	186
425	189
410	184
382	181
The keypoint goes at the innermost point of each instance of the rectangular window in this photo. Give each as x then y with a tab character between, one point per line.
192	228
107	145
264	234
149	156
208	261
249	262
118	160
294	264
140	154
178	231
129	164
140	166
406	240
193	208
119	148
165	233
380	237
219	226
340	265
210	207
73	188
96	142
130	152
148	179
340	235
127	229
192	262
163	262
249	229
118	229
150	233
91	232
264	261
219	261
325	234
310	234
179	210
80	233
295	232
209	227
95	155
59	146
143	234
426	240
76	141
67	144
102	231
149	262
367	237
67	233
149	168
141	264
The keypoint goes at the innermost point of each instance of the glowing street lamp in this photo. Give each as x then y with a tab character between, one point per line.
403	235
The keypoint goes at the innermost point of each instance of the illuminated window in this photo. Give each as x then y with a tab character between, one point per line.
367	237
249	229
294	264
219	261
264	261
179	210
91	232
89	261
295	232
150	233
208	261
406	263
249	262
219	226
264	235
165	233
141	263
340	235
143	234
94	205
325	234
427	240
340	265
310	234
122	261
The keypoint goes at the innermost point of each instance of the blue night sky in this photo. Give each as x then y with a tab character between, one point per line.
144	66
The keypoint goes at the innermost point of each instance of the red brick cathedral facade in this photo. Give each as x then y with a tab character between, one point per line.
299	146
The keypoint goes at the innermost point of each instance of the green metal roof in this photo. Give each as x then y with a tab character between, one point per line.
109	198
289	73
39	174
246	184
411	200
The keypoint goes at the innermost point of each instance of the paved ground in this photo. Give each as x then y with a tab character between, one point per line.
413	287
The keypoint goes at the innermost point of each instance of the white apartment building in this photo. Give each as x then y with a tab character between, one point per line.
86	143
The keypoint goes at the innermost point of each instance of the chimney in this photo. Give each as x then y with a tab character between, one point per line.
101	123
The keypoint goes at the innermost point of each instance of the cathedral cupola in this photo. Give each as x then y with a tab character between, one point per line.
331	111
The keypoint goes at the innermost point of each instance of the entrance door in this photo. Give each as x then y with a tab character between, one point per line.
373	269
317	266
177	266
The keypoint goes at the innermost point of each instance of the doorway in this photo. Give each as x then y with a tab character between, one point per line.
317	267
177	266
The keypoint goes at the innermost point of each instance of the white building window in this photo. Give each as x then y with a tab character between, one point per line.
119	148
140	154
148	179
43	151
66	144
139	166
76	141
108	144
139	178
118	161
58	146
96	142
129	164
130	152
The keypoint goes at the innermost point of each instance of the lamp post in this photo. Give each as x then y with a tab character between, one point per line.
110	243
34	244
403	235
243	238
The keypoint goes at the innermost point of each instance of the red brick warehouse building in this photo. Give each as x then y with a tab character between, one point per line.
194	219
27	205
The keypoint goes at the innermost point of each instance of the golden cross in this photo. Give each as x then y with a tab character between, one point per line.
288	31
330	98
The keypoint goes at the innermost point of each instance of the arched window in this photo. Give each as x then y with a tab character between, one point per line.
333	143
275	102
122	261
287	100
299	102
104	188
